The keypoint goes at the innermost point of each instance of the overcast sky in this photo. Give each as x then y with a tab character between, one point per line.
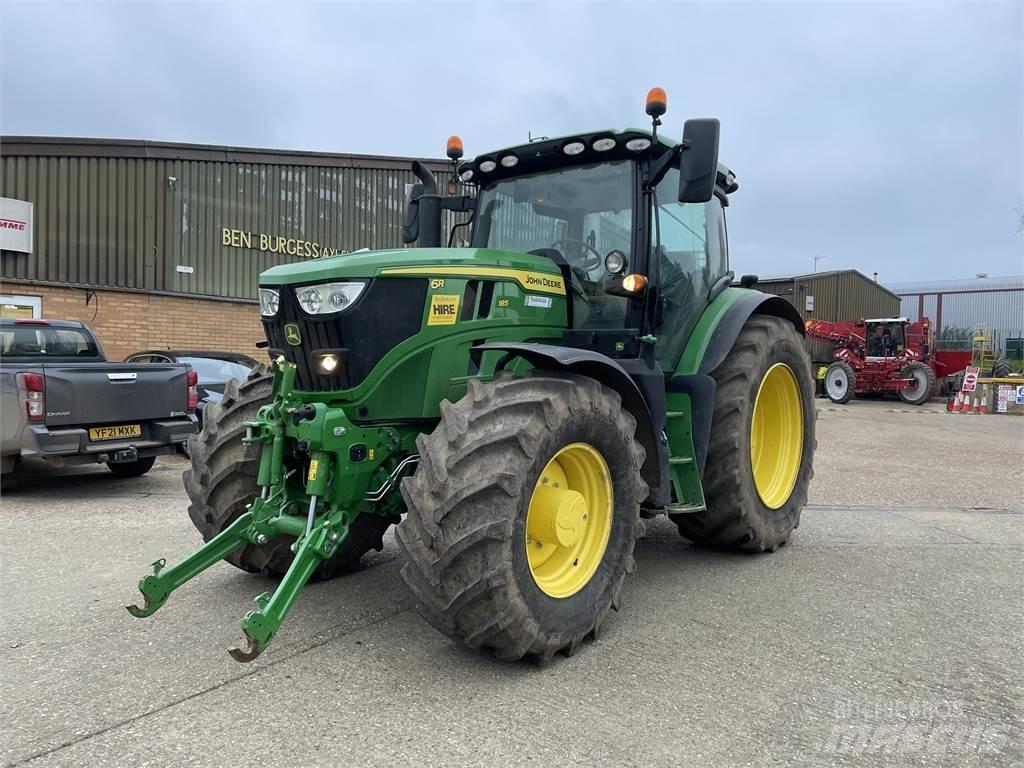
886	137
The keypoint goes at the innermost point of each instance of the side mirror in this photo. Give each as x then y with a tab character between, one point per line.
698	162
411	222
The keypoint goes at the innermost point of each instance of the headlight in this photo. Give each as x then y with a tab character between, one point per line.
327	363
615	262
328	298
270	302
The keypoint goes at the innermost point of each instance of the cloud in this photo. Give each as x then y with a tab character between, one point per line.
885	136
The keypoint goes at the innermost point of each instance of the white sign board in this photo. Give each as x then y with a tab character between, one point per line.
1020	394
15	225
1004	394
808	303
970	379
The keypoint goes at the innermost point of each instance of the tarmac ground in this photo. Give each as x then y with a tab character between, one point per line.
889	631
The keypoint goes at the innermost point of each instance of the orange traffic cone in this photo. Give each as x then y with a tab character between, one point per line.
954	405
983	408
972	405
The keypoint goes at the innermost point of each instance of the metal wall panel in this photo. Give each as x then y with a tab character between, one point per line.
958	306
152	216
97	222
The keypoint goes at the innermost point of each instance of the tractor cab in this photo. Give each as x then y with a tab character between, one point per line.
635	223
885	337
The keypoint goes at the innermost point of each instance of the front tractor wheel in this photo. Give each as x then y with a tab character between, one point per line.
760	456
840	381
523	514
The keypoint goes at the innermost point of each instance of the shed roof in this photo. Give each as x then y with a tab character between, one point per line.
830	273
64	146
964	285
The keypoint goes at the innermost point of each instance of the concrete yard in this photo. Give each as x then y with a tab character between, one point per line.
890	631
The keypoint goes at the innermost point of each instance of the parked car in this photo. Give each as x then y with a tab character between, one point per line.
215	370
62	401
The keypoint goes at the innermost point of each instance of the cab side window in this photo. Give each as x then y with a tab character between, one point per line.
690	258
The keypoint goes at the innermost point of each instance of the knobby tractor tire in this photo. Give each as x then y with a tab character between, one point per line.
464	537
222	480
843	369
736	518
925	377
1001	369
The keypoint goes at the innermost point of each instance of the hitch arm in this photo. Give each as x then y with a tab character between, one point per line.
157	587
321	543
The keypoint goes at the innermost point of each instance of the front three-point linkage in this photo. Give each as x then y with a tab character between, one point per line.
264	520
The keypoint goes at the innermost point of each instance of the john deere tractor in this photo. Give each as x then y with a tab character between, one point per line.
516	406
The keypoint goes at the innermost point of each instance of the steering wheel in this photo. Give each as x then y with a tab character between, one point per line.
589	262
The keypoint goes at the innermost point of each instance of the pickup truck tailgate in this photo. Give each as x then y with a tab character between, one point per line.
112	393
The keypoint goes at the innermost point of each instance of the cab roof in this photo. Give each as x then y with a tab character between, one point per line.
548	154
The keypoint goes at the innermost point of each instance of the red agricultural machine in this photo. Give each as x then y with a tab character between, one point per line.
888	354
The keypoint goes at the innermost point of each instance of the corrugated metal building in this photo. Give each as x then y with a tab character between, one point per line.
185	220
837	295
956	307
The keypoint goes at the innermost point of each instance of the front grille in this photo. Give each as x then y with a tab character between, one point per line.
389	312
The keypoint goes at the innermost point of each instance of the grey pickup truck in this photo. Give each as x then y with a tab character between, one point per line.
62	401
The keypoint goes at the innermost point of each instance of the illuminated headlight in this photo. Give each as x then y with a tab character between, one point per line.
466	175
327	363
487	166
638	145
328	298
574	148
603	145
509	161
270	302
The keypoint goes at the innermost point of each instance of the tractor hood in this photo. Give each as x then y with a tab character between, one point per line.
535	273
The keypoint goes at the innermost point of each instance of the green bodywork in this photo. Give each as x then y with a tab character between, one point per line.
361	441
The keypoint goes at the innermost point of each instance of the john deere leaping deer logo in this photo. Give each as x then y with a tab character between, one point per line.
292	335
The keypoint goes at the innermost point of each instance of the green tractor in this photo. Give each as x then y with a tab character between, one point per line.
517	406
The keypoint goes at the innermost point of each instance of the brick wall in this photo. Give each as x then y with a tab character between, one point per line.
127	322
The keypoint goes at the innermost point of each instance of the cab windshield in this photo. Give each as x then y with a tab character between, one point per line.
576	215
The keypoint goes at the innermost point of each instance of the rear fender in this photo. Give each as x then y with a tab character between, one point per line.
709	345
604	369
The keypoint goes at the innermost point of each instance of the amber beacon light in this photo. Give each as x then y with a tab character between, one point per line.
454	147
657	102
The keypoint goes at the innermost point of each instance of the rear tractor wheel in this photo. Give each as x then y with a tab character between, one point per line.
523	514
840	382
760	456
922	388
222	480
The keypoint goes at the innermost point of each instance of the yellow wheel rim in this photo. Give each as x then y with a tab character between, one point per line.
777	436
569	520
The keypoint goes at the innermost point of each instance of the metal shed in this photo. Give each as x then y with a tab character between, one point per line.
844	294
956	307
193	219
